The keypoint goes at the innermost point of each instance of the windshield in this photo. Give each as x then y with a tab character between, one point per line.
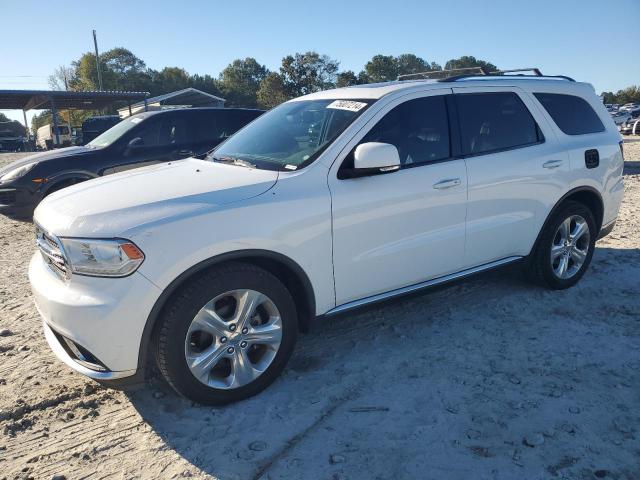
114	133
292	135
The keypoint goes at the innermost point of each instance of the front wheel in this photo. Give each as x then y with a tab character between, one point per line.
565	247
227	335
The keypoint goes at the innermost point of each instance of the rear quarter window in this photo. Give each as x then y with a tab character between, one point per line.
573	115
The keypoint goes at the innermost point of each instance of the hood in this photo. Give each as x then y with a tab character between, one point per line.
49	155
109	206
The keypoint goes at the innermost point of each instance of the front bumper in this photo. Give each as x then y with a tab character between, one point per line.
72	361
17	202
103	316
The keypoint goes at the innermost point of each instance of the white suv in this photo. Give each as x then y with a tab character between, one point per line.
326	203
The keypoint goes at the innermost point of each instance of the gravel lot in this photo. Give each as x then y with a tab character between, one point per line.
491	378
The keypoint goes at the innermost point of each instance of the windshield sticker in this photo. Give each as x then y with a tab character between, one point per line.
136	120
347	105
291	167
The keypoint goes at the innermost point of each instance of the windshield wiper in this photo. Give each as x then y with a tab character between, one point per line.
234	161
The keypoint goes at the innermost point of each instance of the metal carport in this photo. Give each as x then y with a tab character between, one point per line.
54	99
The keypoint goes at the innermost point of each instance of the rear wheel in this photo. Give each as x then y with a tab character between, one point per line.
227	335
565	247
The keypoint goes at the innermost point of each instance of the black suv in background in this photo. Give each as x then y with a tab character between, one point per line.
137	141
94	126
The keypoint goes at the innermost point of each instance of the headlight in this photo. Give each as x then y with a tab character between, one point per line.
102	258
17	172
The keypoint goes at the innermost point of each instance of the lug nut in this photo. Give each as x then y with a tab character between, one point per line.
230	350
243	344
245	330
223	339
232	327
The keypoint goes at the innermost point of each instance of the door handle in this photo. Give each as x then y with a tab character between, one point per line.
552	163
185	153
448	183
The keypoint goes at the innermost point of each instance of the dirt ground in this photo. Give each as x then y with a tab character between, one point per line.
491	378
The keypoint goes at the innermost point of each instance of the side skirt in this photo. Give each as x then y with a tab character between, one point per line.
420	286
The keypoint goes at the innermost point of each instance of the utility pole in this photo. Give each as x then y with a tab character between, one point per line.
66	87
95	44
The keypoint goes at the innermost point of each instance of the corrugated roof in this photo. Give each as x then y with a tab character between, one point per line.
187	96
41	99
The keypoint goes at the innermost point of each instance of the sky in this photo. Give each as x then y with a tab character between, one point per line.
591	40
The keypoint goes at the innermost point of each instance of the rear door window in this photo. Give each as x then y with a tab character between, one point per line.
163	130
573	115
491	122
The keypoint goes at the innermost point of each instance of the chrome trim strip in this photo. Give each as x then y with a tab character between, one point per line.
61	353
52	250
420	286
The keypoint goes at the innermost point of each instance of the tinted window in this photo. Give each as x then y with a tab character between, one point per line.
114	133
232	121
573	115
213	126
162	131
418	128
494	121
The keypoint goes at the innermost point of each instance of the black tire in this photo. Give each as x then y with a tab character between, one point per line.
182	308
538	267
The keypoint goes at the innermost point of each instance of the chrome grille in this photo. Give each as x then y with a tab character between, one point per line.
51	251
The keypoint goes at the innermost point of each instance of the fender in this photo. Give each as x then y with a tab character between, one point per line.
560	201
56	179
240	255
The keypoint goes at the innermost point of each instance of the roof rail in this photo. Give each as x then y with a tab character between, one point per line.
514	72
455	74
443	74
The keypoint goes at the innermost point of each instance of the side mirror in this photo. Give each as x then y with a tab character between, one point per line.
373	158
135	143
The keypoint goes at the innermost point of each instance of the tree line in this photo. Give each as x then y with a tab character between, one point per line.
627	95
248	83
243	83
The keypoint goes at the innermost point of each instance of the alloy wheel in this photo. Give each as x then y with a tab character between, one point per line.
570	247
233	339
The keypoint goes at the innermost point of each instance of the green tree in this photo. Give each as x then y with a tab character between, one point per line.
120	69
205	83
272	91
384	68
125	71
467	62
240	82
381	68
629	95
408	63
608	97
308	72
346	79
40	119
169	79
